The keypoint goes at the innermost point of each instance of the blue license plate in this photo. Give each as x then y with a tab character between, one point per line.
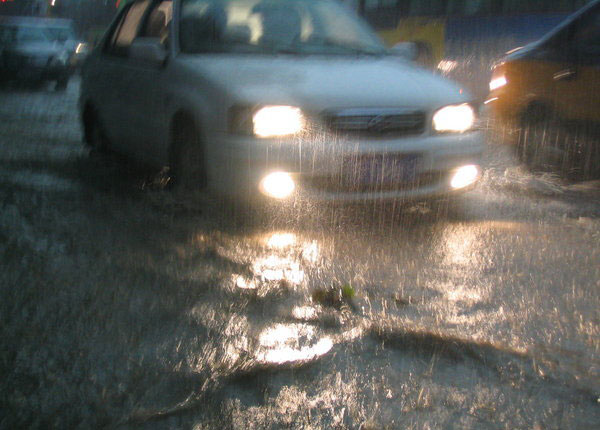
381	168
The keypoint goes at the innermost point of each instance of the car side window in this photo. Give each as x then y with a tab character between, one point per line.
159	22
127	29
585	38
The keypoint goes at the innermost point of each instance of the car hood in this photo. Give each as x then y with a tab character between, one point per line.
319	83
37	48
522	52
69	44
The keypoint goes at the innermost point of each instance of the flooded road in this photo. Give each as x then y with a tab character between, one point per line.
128	306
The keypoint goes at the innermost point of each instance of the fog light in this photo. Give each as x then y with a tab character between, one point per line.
465	176
278	185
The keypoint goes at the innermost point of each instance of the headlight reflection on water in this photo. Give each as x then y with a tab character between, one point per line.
461	247
281	265
280	240
244	283
462	251
462	293
304	313
278	185
284	343
275	268
284	262
465	176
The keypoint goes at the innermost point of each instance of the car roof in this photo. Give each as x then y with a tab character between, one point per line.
36	21
568	21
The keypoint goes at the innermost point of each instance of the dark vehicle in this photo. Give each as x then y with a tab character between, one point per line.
27	52
548	93
62	32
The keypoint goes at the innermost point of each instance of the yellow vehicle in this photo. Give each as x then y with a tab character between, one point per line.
548	94
462	38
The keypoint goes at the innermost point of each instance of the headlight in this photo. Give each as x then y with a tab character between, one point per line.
271	121
497	82
455	118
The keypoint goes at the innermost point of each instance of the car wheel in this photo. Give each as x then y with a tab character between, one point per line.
584	152
187	168
550	146
543	143
95	135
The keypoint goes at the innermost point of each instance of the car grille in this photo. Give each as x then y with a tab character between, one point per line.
387	123
336	184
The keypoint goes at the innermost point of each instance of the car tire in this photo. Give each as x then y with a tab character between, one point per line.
542	143
550	145
95	135
187	166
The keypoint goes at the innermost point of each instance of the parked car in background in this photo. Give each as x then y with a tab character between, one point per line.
27	52
548	95
287	98
62	32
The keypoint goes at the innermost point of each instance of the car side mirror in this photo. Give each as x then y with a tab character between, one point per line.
148	49
408	51
238	33
417	52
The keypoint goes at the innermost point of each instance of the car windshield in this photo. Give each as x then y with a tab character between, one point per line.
21	34
59	34
28	34
288	26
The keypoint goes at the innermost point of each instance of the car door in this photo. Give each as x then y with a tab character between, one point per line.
576	76
147	87
8	41
116	79
5	39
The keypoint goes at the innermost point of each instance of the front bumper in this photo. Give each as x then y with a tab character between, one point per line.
44	73
328	169
36	68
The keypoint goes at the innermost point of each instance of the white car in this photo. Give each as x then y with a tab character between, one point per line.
280	98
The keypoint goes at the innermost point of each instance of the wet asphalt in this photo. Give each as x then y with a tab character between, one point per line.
126	305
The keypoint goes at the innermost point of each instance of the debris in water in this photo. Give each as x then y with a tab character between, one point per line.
335	297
